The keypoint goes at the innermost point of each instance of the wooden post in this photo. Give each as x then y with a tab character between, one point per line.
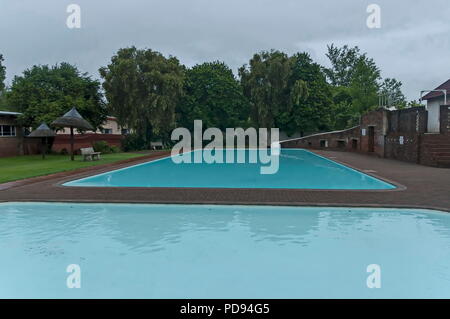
72	155
43	144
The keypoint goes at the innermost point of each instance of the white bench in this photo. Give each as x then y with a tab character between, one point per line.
88	153
155	145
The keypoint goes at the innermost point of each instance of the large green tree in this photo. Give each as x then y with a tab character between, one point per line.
266	83
311	98
364	85
44	93
213	95
343	114
143	88
354	70
343	64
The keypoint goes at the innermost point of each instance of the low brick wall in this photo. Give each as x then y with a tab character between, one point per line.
62	141
339	140
15	146
9	146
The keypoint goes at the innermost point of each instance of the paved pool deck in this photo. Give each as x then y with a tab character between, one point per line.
418	187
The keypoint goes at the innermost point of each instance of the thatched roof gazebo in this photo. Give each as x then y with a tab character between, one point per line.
72	119
43	132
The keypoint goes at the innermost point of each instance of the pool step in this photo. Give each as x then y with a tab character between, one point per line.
438	146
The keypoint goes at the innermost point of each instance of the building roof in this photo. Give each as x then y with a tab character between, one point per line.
443	86
9	113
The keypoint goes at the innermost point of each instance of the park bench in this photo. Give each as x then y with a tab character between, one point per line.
155	145
88	153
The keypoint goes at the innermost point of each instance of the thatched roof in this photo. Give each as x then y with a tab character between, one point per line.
42	131
72	119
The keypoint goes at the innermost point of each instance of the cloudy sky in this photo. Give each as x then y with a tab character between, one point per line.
412	45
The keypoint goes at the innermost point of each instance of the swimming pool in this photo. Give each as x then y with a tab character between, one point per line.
207	251
298	169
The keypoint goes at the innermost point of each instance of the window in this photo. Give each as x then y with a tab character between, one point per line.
125	131
107	131
7	130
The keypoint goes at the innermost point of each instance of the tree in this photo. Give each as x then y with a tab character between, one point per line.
356	71
265	82
142	88
364	85
391	92
312	98
343	114
2	74
343	64
213	95
45	93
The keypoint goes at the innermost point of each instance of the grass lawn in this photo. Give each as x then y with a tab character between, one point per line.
20	167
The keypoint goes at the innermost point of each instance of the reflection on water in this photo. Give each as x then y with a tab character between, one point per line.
189	243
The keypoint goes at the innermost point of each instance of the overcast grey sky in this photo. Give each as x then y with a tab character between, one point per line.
413	44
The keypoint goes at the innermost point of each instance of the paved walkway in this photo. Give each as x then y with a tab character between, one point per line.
421	187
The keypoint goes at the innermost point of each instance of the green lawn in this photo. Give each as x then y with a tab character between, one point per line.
20	167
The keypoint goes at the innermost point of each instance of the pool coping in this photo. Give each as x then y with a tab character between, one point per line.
434	210
410	192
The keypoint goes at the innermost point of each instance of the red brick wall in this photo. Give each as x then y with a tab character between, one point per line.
377	119
390	127
9	146
412	120
435	150
13	146
408	151
62	141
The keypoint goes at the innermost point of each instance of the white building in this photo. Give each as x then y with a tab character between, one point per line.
109	127
434	101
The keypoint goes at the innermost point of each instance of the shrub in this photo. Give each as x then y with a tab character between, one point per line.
114	149
102	147
64	152
133	142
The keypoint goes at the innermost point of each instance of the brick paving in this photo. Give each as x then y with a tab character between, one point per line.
419	187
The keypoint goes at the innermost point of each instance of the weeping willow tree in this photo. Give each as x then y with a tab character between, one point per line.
143	88
270	84
265	82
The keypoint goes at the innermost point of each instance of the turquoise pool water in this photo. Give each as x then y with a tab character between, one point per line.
182	251
298	169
